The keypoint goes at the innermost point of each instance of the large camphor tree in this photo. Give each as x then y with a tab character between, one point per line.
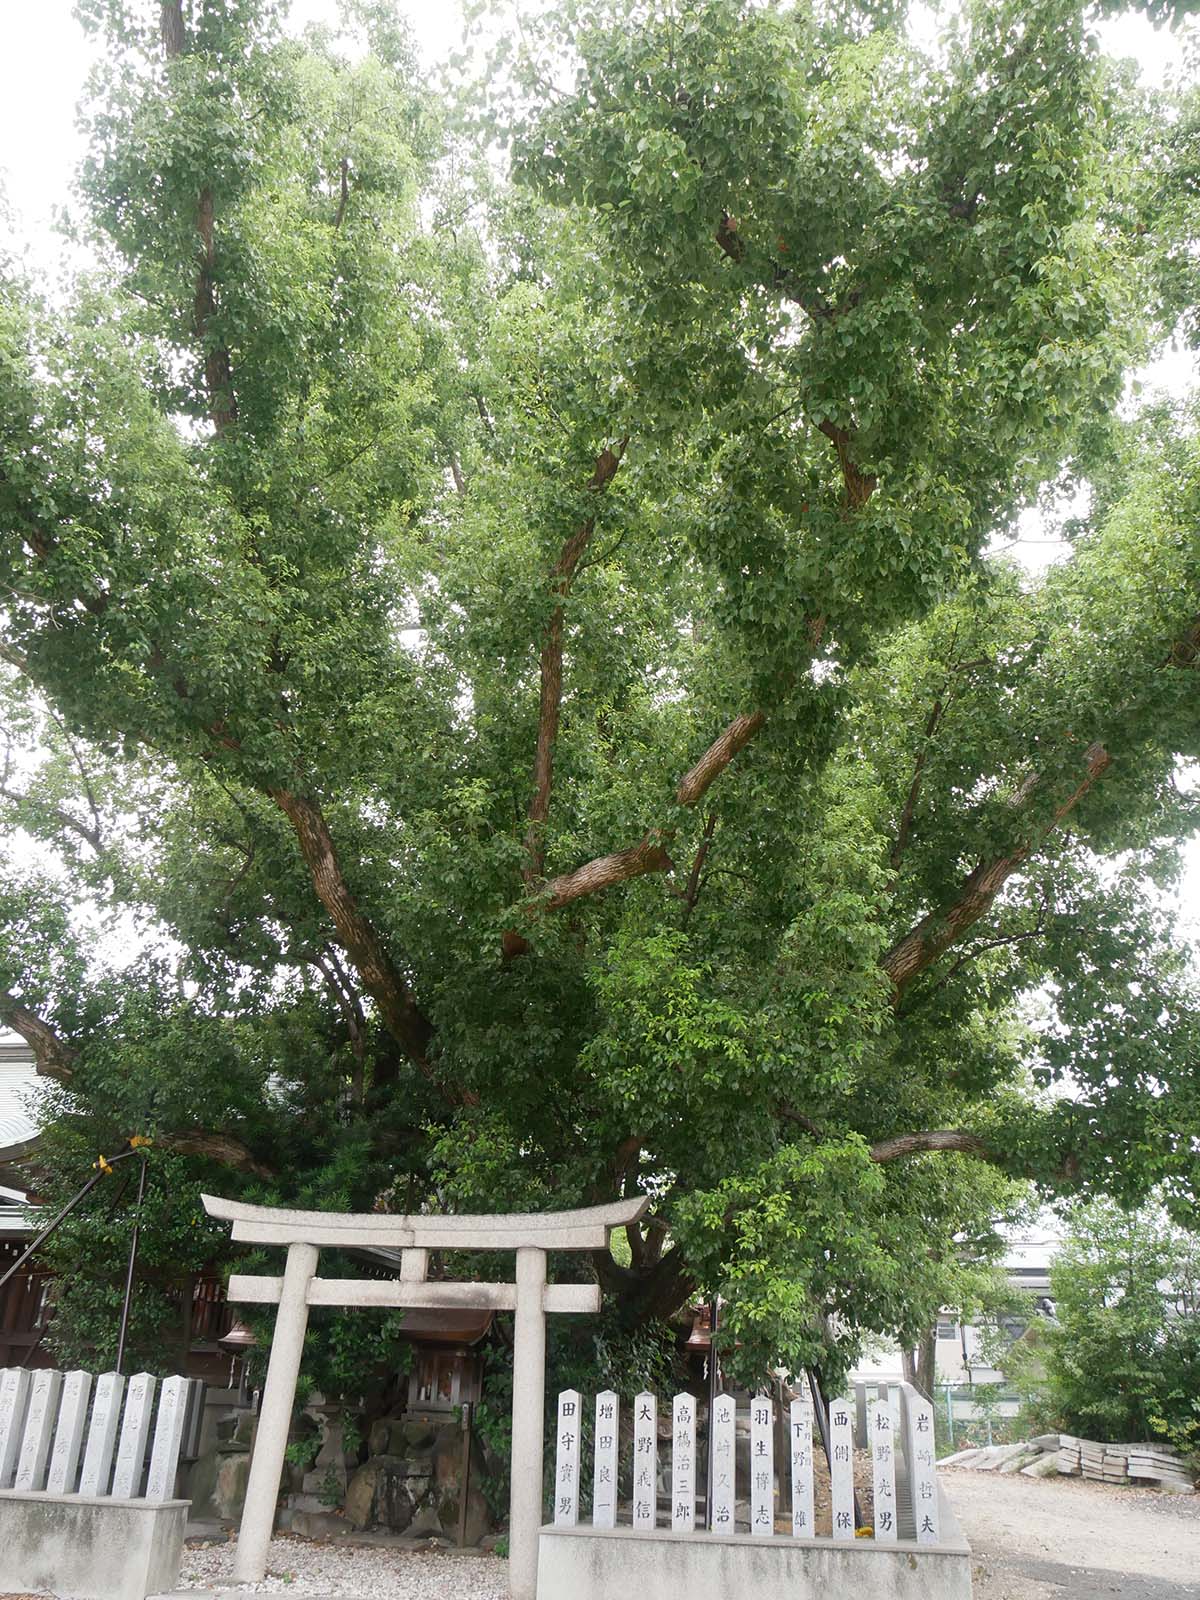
514	690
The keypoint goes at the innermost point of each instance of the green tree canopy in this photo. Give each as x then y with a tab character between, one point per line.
523	655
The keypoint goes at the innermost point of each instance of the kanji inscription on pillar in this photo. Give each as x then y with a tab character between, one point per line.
841	1469
721	1443
645	1461
882	1435
800	1451
68	1436
683	1464
135	1430
921	1473
102	1434
604	1479
14	1399
566	1463
762	1465
39	1430
168	1437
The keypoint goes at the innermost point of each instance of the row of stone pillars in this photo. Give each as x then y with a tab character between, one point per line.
304	1233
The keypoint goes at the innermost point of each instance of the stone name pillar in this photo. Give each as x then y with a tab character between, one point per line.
279	1394
529	1393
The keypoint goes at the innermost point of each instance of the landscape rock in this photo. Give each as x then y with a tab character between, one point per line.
416	1435
395	1500
229	1493
360	1495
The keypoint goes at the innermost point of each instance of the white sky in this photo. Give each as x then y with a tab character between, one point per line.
45	57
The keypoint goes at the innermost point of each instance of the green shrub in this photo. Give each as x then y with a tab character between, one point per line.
1123	1362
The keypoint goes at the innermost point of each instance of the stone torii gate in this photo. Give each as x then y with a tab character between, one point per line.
531	1297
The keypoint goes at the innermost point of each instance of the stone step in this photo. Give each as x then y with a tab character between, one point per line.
308	1503
317	1524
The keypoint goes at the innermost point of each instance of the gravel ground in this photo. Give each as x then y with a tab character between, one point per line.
352	1572
1068	1539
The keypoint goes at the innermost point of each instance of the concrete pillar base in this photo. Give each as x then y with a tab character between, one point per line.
95	1549
585	1563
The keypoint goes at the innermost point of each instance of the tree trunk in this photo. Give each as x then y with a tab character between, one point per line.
920	1365
650	1294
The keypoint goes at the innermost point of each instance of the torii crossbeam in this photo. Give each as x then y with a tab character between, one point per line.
531	1297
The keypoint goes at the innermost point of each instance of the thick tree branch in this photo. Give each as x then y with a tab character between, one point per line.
15	658
696	782
860	486
218	367
915	1144
221	1147
64	819
53	1056
943	927
1186	650
647	856
650	854
550	671
171	28
401	1015
338	984
647	1294
343	194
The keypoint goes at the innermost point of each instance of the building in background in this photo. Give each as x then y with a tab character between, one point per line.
960	1358
23	1297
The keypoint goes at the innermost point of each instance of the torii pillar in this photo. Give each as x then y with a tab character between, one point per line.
530	1297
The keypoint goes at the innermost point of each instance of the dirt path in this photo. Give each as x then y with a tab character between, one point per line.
1066	1539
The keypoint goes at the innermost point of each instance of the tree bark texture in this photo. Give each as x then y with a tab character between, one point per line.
915	1144
921	946
920	1365
696	782
52	1055
551	672
649	855
381	979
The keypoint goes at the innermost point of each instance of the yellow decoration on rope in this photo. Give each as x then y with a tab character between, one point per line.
104	1164
138	1141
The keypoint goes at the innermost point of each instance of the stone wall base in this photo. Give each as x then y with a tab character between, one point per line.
587	1563
96	1549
